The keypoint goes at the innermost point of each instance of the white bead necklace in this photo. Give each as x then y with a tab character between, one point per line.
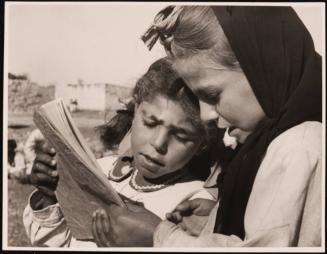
152	187
125	171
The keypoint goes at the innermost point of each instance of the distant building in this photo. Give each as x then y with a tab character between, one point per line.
98	96
12	76
25	95
14	79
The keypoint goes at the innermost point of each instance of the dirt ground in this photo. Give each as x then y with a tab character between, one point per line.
20	125
17	199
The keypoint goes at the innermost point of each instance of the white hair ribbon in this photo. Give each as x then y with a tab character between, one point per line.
163	26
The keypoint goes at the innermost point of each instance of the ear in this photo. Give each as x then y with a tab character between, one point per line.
136	107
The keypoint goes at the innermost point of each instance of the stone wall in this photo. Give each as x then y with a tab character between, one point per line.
114	93
26	96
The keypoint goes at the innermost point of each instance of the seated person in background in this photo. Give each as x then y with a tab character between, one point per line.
12	144
24	155
166	164
32	146
16	161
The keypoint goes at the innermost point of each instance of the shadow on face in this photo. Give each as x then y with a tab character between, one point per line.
163	137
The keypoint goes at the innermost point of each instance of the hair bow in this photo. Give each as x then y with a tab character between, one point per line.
163	26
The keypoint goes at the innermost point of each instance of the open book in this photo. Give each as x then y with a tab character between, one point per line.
82	186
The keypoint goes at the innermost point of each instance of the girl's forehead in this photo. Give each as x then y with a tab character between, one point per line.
168	111
159	103
195	65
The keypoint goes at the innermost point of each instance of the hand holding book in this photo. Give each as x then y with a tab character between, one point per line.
44	175
82	186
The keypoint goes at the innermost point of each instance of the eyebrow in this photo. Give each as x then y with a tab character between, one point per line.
183	130
206	92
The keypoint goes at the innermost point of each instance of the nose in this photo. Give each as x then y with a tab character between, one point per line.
207	112
160	141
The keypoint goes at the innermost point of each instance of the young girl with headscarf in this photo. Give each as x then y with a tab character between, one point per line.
256	72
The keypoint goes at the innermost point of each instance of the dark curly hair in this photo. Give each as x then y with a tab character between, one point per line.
161	79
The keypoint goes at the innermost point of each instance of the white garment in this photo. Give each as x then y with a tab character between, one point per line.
284	208
29	148
48	227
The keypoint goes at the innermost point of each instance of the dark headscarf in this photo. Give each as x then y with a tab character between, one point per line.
277	55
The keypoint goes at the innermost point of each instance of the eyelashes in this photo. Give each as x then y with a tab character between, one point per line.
209	95
212	98
181	137
150	124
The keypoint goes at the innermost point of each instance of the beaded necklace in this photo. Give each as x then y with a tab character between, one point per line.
124	168
153	187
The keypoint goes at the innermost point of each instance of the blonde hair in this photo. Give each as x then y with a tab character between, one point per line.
199	38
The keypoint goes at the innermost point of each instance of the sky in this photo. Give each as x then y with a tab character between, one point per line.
58	43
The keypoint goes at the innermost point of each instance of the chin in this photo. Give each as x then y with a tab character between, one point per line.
242	137
146	172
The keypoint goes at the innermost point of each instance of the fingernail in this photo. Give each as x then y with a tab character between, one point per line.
52	150
54	173
53	162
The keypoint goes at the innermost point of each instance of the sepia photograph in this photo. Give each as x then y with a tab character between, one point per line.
164	126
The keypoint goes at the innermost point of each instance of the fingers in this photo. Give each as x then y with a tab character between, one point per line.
46	148
174	217
196	206
194	224
185	208
203	207
42	179
114	211
100	228
44	170
169	216
39	167
187	229
135	206
105	222
95	230
44	174
46	159
49	191
189	226
183	226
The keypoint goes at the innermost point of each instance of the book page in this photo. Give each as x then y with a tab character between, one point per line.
82	186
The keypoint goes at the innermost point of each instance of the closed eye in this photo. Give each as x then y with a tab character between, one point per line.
182	135
208	95
182	138
149	123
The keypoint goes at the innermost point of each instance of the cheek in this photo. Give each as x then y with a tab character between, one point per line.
179	155
134	139
240	110
251	114
139	135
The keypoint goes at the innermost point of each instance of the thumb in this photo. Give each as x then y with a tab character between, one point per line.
202	207
186	207
113	210
135	206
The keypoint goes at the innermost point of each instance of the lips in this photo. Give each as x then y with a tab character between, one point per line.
152	160
230	129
